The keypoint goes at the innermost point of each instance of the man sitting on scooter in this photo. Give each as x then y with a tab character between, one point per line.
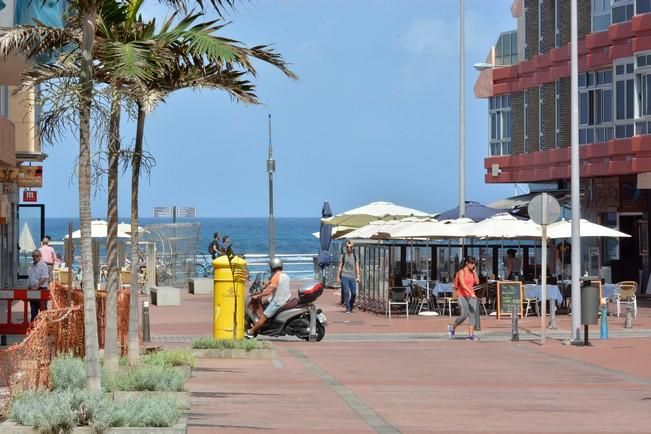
275	294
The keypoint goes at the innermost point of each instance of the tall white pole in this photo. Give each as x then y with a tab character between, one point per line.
271	167
575	181
462	122
543	272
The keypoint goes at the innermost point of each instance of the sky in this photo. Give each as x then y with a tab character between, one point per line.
374	116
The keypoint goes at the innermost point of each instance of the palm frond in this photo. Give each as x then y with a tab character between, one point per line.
35	40
127	61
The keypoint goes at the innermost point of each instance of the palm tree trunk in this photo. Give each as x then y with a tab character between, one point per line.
111	330
93	380
133	351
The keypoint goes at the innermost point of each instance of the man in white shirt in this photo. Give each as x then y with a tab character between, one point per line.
38	279
48	254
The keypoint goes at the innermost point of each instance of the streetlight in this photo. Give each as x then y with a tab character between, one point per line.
462	121
575	179
271	167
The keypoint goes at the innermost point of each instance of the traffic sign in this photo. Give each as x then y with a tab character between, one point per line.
544	209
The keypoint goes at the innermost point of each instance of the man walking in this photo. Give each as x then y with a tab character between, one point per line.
38	280
48	254
348	274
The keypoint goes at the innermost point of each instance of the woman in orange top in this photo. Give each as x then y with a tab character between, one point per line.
464	281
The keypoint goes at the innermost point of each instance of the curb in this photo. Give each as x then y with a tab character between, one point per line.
213	353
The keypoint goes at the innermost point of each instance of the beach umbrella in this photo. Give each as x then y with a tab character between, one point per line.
504	225
431	229
358	217
325	237
98	229
475	211
26	240
563	229
374	230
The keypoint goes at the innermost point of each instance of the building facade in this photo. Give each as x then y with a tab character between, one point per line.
20	148
528	92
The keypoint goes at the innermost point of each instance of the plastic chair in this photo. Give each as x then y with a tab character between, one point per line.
449	301
418	298
481	291
627	290
529	301
398	296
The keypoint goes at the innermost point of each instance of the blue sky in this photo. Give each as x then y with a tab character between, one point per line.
374	116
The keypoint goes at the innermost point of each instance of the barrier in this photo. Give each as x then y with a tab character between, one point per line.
10	322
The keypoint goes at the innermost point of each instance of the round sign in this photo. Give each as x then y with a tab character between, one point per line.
544	209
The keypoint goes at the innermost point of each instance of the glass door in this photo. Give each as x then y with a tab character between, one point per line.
31	230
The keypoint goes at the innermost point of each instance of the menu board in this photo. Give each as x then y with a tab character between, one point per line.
508	295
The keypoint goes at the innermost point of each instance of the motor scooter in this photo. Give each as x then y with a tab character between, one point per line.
296	318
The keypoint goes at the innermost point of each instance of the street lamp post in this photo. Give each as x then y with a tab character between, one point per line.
575	180
462	120
271	167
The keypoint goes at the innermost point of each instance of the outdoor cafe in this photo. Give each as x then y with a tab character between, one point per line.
408	263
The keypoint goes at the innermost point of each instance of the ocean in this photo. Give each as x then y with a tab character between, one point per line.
249	235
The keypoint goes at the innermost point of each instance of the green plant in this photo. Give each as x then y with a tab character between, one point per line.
151	411
67	372
62	410
144	378
175	357
228	344
47	412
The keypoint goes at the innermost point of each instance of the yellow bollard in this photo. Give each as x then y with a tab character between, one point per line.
228	297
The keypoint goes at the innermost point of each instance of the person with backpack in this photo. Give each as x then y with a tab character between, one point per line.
215	248
348	275
464	281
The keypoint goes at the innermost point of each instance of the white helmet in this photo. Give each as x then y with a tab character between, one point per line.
275	263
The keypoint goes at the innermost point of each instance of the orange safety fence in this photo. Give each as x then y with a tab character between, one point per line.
57	330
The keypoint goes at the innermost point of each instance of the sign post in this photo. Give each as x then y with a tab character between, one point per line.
543	210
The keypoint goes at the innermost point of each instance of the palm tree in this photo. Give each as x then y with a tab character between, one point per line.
202	60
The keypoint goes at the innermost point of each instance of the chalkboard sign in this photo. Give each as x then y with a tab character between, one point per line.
508	294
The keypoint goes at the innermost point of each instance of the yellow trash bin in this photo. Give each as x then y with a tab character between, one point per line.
228	297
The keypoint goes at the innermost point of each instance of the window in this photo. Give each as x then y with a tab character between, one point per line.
541	97
642	6
557	122
600	15
643	93
595	106
557	24
525	32
506	49
540	26
624	98
526	111
4	101
622	10
500	125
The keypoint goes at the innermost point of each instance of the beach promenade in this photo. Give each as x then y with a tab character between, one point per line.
372	374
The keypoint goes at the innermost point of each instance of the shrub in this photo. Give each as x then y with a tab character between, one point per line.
67	372
62	410
47	412
228	344
144	378
151	411
176	357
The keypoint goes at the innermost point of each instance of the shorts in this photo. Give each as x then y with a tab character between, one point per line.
271	309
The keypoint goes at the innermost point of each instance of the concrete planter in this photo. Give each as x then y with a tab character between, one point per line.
181	427
266	353
182	397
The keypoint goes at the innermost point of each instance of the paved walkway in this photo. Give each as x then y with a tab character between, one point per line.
372	374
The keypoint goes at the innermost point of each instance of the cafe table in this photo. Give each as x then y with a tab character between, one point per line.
535	291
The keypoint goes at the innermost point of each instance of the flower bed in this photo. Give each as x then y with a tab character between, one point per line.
232	349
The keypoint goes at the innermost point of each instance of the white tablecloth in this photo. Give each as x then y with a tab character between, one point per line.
553	292
442	288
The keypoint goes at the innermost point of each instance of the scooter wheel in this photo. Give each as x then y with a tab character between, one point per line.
320	333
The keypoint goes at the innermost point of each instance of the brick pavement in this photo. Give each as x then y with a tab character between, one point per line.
372	374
